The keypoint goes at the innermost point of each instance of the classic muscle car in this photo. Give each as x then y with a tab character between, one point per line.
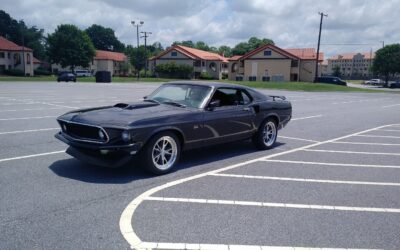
175	117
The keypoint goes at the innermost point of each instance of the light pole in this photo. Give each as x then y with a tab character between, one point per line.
319	41
145	35
137	24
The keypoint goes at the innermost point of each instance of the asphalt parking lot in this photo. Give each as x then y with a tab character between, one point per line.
332	181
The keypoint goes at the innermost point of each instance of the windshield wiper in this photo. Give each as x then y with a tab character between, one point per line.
175	104
151	100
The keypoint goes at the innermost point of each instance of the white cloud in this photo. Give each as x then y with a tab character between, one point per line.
290	23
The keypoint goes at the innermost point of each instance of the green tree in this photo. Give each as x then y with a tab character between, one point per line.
19	33
253	43
70	46
336	71
387	62
187	43
225	50
104	38
202	46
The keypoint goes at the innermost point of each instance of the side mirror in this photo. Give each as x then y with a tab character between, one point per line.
213	104
145	97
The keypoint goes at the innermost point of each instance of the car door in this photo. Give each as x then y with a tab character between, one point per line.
232	120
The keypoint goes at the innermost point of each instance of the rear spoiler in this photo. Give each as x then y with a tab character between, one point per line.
277	96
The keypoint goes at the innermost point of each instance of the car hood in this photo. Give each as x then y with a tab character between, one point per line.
124	114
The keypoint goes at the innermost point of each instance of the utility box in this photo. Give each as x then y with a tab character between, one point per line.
103	76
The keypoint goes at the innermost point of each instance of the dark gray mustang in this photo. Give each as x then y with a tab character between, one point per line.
175	117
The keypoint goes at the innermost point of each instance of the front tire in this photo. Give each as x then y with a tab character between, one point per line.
161	153
266	135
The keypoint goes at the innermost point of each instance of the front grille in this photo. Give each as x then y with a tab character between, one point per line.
83	132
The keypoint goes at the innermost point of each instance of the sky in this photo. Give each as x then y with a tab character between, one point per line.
289	23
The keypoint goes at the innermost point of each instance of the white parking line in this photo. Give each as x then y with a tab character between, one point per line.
308	117
198	246
389	106
379	136
366	143
126	219
332	164
26	118
27	131
350	152
37	109
307	180
273	204
390	130
31	156
297	139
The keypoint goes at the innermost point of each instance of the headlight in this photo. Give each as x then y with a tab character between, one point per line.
126	136
102	135
64	127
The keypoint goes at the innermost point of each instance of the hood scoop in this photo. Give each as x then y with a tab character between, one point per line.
131	106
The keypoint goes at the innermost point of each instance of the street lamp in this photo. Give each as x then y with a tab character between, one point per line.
137	24
145	36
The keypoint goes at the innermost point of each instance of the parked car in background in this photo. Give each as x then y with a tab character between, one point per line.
331	80
395	84
175	117
83	73
375	82
66	77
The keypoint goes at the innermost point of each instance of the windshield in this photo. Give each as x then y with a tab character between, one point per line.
180	95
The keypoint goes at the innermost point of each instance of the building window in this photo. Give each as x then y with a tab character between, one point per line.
174	53
9	55
213	66
234	67
203	63
267	53
196	63
28	58
2	55
295	64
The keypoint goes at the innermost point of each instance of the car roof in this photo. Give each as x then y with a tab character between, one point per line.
208	84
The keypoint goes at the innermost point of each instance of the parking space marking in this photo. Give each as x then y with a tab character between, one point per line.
297	139
308	117
27	131
33	109
350	152
126	219
31	156
274	204
390	130
307	180
366	143
390	106
379	136
198	246
26	118
332	164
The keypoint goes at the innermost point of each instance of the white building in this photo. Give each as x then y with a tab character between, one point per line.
352	64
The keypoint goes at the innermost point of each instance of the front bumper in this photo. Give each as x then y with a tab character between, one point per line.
98	154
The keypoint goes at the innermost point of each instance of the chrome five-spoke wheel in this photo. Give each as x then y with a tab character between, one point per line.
269	133
164	153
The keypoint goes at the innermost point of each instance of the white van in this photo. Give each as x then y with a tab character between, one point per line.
83	72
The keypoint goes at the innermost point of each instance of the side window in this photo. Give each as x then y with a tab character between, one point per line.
231	97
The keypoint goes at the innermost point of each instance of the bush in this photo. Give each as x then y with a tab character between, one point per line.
173	70
205	76
149	73
14	72
41	72
224	76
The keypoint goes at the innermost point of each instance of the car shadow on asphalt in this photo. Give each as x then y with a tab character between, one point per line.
77	170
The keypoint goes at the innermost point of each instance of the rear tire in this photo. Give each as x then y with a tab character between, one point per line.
161	153
266	135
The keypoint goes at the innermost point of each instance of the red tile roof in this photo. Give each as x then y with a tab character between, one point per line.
36	61
272	47
109	55
8	45
349	56
306	53
193	54
234	58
